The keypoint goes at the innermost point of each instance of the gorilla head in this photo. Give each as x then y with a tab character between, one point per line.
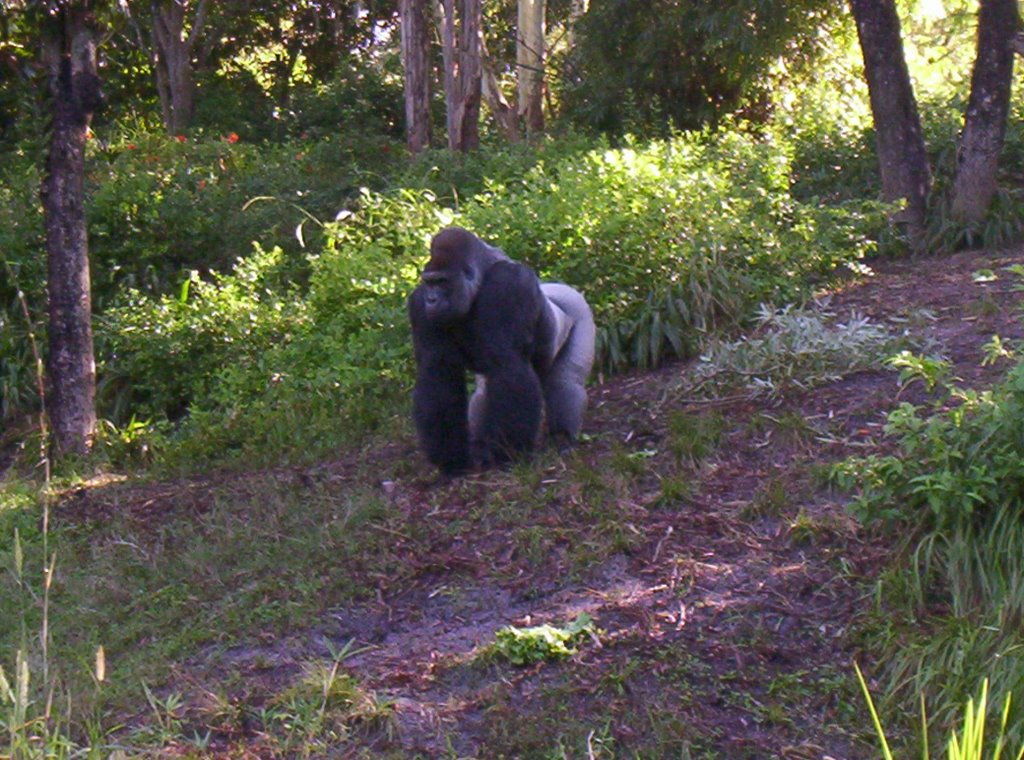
452	277
531	348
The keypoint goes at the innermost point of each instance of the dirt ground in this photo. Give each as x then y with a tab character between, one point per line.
726	627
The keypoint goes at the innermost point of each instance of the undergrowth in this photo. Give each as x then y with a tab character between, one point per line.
789	348
954	487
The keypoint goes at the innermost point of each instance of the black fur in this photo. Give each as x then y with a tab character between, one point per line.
477	311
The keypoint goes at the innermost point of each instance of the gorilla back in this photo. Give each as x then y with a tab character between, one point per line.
531	347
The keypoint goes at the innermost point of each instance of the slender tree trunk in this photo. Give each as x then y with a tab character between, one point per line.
70	53
530	63
504	113
981	141
171	55
462	72
902	158
416	62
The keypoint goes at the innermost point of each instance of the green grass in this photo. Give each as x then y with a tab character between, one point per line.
163	575
153	589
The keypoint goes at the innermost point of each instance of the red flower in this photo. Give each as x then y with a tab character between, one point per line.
180	138
232	138
131	146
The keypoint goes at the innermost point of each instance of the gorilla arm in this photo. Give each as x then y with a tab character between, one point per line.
507	332
439	398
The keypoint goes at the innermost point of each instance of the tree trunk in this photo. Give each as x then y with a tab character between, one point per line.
416	63
902	159
530	63
70	53
504	113
462	72
981	141
171	55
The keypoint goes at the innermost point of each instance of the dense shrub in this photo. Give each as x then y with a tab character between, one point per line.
22	283
643	68
264	371
1004	222
673	238
161	206
668	240
160	354
959	461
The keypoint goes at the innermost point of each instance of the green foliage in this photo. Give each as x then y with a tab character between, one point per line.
959	460
671	240
163	352
694	437
22	285
357	99
158	206
1004	222
955	482
791	348
287	357
337	362
639	67
970	743
525	646
322	710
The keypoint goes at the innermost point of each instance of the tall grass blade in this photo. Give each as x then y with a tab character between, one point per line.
886	753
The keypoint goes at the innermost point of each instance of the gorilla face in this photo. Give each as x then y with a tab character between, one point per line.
448	293
452	277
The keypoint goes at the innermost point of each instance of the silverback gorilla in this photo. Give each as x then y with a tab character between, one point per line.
530	345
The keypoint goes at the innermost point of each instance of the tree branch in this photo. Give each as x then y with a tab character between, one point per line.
197	26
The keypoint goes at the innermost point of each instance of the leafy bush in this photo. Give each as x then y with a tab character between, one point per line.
959	460
296	348
161	354
672	239
642	67
159	206
264	372
261	366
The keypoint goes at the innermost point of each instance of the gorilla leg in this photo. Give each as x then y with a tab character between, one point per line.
439	411
566	401
476	408
565	382
507	408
